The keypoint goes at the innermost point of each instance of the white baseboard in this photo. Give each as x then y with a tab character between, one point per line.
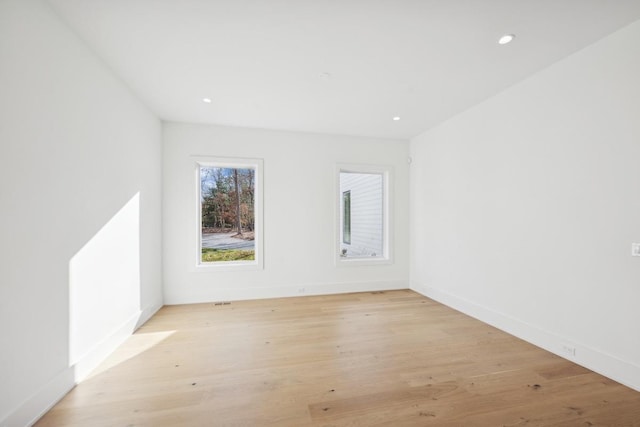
44	399
35	407
239	294
148	312
605	364
91	359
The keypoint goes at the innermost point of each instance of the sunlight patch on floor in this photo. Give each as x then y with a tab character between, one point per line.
135	345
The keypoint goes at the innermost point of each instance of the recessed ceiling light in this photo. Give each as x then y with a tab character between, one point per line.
507	38
324	76
206	100
396	118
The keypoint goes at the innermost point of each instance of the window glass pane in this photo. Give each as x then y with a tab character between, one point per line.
227	213
362	219
346	217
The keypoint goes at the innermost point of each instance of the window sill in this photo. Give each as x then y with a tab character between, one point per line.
361	262
226	266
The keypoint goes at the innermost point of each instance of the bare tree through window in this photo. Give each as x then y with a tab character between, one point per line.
227	200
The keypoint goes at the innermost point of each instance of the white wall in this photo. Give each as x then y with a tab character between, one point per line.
79	210
300	213
524	208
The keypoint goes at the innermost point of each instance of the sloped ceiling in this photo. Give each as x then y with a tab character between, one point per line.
332	66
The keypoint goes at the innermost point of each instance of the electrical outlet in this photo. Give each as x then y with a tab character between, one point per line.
302	290
635	249
568	349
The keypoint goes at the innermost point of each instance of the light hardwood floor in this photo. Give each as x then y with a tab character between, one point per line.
390	358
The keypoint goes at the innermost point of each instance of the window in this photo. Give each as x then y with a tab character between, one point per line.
363	213
229	212
346	217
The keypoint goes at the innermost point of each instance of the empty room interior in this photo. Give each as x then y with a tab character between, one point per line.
319	213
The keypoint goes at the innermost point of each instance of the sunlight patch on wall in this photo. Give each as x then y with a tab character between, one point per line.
104	283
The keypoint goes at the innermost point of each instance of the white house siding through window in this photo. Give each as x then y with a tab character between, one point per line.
362	217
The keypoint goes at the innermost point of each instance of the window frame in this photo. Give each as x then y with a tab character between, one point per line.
196	245
387	214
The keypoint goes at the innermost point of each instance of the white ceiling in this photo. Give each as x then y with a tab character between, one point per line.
262	61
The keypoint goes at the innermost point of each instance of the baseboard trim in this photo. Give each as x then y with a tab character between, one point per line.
100	351
92	358
36	406
44	399
306	289
624	372
148	312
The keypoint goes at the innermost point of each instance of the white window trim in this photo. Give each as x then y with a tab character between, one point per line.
195	256
387	206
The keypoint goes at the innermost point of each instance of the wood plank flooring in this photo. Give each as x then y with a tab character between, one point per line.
390	358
